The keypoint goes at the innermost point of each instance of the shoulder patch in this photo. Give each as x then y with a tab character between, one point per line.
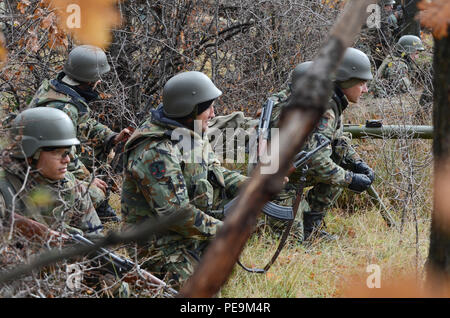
158	169
322	124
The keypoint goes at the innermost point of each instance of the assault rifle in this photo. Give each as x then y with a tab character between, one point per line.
262	133
263	127
303	157
282	212
121	265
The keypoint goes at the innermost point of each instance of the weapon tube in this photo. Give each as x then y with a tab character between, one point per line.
390	131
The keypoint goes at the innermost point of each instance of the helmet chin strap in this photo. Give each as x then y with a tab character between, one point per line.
36	155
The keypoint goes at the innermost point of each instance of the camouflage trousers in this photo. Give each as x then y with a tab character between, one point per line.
173	263
320	197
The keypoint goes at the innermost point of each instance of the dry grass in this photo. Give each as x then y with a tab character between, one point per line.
326	269
404	181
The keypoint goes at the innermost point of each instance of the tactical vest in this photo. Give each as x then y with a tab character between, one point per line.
9	185
61	95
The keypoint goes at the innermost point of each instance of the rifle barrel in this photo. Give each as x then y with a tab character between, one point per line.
302	157
124	264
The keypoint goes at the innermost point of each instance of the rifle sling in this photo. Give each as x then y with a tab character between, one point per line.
284	237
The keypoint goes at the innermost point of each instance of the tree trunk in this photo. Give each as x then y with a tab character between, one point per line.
438	262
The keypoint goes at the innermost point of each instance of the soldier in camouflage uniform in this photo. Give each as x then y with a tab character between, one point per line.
395	73
71	91
170	166
41	140
338	166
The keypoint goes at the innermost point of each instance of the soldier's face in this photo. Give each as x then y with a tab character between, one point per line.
355	92
53	164
206	116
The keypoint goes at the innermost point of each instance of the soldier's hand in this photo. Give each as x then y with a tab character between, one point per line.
102	185
123	135
360	182
362	167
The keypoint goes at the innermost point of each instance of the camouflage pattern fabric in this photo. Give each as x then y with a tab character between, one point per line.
324	167
327	173
62	205
171	170
393	77
225	134
95	137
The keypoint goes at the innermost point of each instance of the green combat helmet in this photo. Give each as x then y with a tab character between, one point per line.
40	127
183	92
86	63
388	2
299	70
355	65
409	44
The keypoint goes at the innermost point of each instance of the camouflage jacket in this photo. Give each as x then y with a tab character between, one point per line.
95	137
393	77
63	205
163	175
329	165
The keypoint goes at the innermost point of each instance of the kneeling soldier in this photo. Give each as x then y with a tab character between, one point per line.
170	167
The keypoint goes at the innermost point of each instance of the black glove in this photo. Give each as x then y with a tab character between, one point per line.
362	167
360	182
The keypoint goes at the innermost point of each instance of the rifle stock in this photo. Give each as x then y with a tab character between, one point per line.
33	229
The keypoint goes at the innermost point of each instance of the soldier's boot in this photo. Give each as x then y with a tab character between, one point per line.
314	227
106	213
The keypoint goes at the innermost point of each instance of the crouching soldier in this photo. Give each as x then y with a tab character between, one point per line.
338	166
398	70
171	167
34	180
72	91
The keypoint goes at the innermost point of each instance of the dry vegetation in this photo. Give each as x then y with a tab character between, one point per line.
404	170
248	48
